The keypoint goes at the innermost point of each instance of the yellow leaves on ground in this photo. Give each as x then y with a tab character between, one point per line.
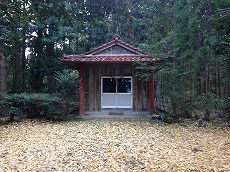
112	145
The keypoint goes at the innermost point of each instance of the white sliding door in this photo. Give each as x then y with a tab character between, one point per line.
116	92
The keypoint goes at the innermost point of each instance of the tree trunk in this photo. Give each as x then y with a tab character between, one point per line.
36	73
218	81
16	74
51	84
24	62
17	84
3	76
228	81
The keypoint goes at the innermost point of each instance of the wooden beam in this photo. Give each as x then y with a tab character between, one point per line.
151	93
81	90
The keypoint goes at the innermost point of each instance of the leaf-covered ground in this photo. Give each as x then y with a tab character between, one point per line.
112	145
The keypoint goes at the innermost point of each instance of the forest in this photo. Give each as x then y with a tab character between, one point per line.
192	37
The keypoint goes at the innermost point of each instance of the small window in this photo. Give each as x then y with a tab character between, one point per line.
124	85
109	85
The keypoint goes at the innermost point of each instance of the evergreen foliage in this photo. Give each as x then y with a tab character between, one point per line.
191	36
67	82
42	106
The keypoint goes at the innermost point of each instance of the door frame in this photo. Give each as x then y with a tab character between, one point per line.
116	94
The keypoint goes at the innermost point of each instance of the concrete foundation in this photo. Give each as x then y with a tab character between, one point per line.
116	114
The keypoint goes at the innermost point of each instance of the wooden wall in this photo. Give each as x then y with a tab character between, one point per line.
93	74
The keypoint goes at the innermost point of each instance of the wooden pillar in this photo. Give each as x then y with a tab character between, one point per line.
81	90
151	93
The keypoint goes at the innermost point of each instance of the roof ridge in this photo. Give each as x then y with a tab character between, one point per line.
101	46
133	47
116	38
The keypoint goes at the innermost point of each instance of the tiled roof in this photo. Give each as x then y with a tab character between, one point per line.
79	58
93	56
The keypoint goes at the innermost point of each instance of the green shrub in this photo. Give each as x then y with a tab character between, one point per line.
207	102
48	106
67	83
181	105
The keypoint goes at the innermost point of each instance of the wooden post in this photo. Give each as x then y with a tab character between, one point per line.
151	93
81	90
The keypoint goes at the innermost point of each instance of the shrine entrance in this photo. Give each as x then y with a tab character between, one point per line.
107	78
116	92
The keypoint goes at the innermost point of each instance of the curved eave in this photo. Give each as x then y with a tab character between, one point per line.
108	59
